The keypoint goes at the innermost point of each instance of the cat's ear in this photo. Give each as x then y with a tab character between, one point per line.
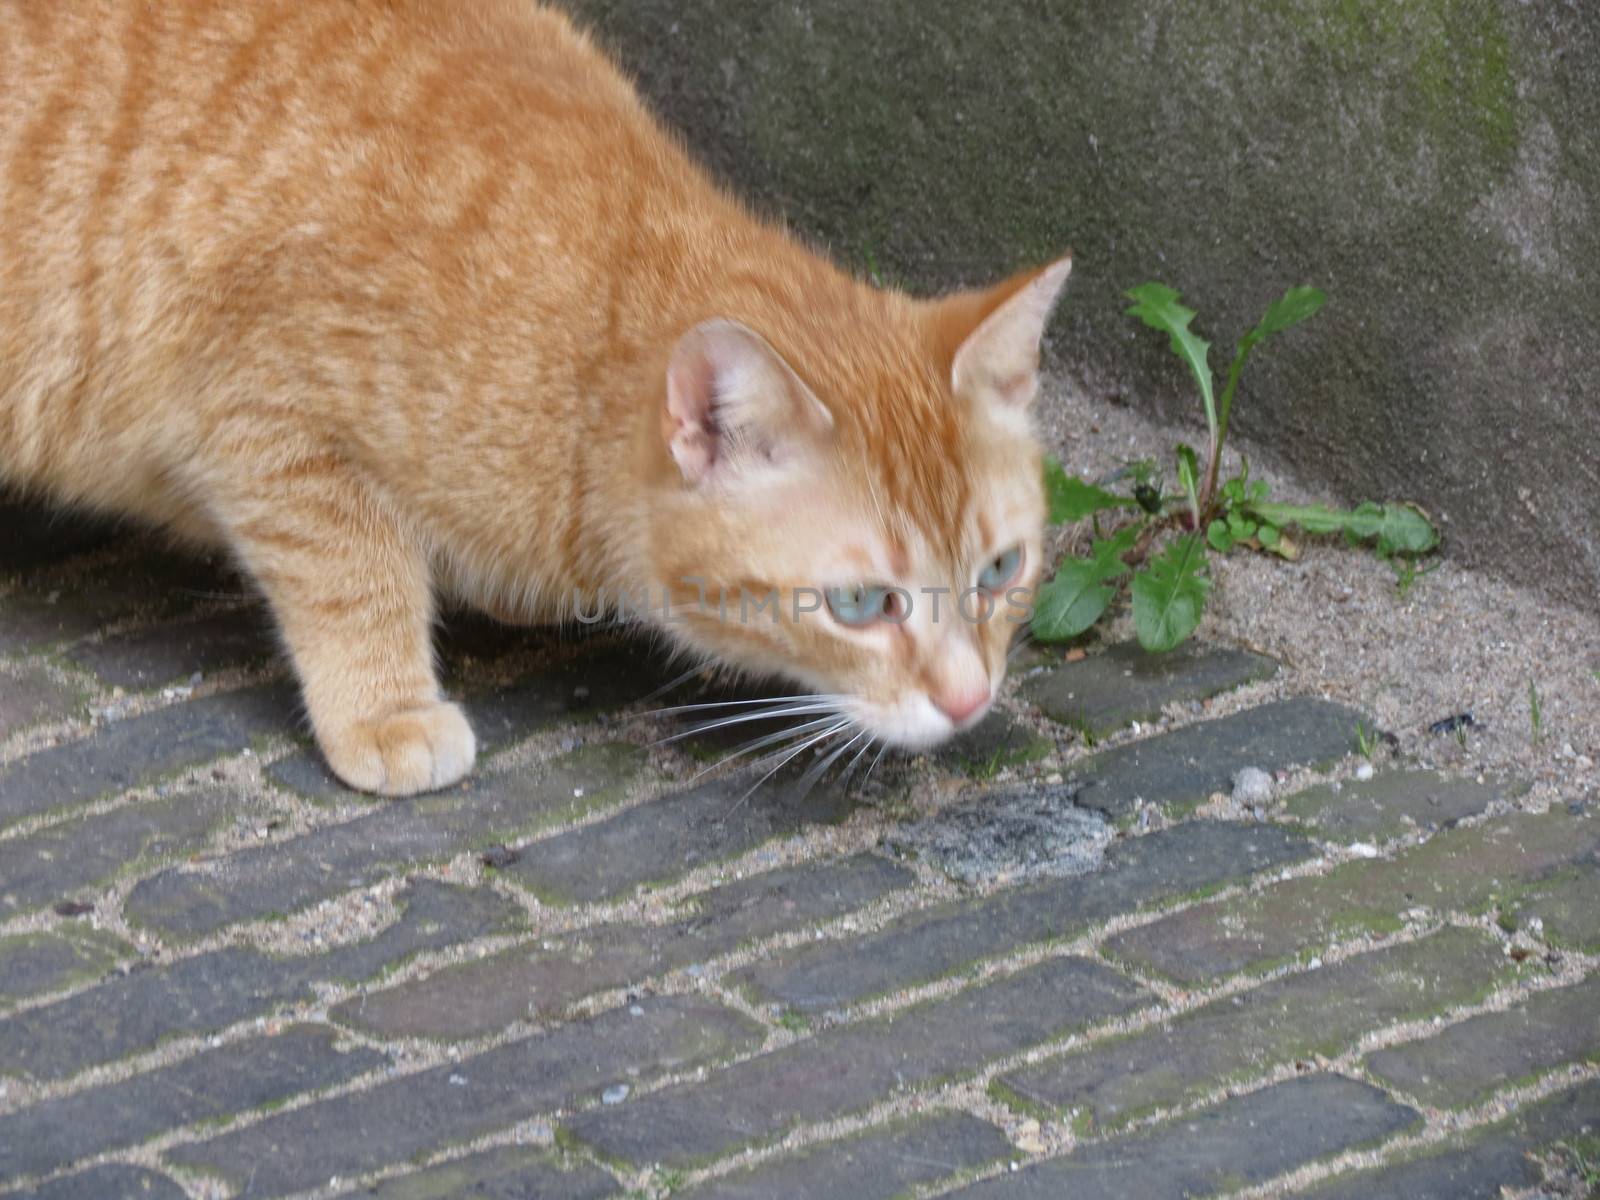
734	408
991	338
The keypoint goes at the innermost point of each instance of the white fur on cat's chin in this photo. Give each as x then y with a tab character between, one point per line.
913	723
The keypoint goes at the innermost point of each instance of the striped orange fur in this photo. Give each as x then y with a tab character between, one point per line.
402	299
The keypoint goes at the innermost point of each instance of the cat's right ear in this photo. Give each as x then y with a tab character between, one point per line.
735	410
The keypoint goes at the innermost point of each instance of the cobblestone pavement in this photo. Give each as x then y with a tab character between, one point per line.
1068	956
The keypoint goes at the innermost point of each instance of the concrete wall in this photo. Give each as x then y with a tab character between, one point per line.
1434	165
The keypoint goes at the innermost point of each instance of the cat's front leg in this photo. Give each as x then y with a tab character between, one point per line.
353	598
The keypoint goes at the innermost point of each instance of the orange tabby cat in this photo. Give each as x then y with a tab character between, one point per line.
402	298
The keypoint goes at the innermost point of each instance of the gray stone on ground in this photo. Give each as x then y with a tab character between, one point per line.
1466	1063
36	964
937	941
1011	833
31	695
540	980
998	742
173	653
1106	692
1393	803
882	1164
229	1080
506	1173
392	838
1234	1145
849	1068
460	1101
1183	767
111	1182
1300	1017
1485	1164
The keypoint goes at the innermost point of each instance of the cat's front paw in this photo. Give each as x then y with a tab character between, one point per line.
406	752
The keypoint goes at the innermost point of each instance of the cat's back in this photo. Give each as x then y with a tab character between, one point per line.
182	179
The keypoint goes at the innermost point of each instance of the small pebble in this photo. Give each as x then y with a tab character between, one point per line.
615	1094
458	1081
635	1010
1252	786
1364	772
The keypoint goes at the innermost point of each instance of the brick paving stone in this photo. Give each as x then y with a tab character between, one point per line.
52	610
1238	1144
124	754
30	695
393	837
111	1182
1182	768
1393	803
171	653
1009	833
671	836
89	851
848	1068
216	1083
455	1103
1468	1062
36	964
998	742
1483	1165
1460	869
541	980
134	1013
509	1173
1294	1017
1106	692
1566	907
1136	872
881	1164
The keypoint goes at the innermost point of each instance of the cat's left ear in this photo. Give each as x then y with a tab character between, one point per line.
991	338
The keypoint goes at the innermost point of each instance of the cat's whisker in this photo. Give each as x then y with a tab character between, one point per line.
850	768
800	710
701	707
784	735
787	756
810	779
875	763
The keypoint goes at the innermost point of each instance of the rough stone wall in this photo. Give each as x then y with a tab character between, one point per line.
1434	165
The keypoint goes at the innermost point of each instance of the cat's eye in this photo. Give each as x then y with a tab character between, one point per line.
1001	570
860	606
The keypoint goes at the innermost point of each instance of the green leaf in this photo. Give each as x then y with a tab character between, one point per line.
1157	306
1189	475
1220	537
1081	590
1170	594
1072	500
1398	528
1269	535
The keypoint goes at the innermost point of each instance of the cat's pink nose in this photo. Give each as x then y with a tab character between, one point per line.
960	706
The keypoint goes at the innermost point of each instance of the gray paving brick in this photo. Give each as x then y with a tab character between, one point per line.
509	1173
393	837
1009	833
216	1083
1469	869
541	980
1303	1016
1182	768
89	851
848	1068
31	695
1136	872
879	1165
124	754
111	1182
36	964
1105	692
135	1013
1238	1144
1468	1062
1393	803
998	742
572	1064
1484	1165
171	653
1564	908
671	836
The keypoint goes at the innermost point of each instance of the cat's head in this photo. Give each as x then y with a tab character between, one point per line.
861	511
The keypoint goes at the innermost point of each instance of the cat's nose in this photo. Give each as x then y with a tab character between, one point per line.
960	706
